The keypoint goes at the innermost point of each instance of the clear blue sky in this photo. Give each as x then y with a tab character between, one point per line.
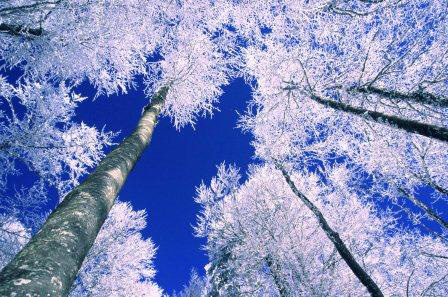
164	180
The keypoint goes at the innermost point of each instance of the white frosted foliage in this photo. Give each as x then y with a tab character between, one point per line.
262	219
39	136
120	262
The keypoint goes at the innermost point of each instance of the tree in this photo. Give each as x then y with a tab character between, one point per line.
196	287
113	39
338	243
13	236
363	81
38	135
195	55
72	227
278	248
349	83
359	84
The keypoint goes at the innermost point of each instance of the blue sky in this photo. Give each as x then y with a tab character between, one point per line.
163	181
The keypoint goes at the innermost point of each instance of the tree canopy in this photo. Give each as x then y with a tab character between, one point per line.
348	114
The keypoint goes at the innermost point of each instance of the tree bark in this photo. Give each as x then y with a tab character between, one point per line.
417	97
48	264
431	131
17	30
343	251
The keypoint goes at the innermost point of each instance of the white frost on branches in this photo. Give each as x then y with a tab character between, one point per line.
388	57
106	42
111	43
196	60
39	137
13	236
120	263
194	70
385	56
261	238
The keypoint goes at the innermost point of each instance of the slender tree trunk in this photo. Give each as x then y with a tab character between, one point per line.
430	182
417	97
343	251
48	264
431	131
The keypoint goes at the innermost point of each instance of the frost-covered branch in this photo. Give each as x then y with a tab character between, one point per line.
431	131
418	97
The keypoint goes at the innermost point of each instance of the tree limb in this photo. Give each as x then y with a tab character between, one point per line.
18	30
430	212
418	97
428	130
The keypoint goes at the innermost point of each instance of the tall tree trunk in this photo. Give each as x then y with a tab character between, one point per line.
431	131
48	264
343	251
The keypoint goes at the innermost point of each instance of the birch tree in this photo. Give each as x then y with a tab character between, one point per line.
39	137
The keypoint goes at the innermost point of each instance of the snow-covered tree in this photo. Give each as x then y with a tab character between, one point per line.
13	236
197	286
357	84
103	41
193	50
359	80
263	241
38	136
40	139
